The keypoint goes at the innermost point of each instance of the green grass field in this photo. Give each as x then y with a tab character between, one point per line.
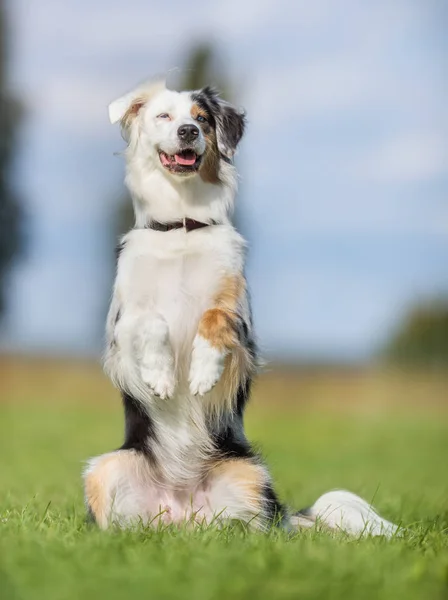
396	455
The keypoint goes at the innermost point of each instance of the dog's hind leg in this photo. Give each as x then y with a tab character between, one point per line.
240	489
116	486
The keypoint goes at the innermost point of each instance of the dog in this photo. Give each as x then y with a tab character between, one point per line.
180	341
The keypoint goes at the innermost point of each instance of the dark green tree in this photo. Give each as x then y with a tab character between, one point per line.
10	213
421	339
202	68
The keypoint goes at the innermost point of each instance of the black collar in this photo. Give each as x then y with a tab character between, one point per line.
188	224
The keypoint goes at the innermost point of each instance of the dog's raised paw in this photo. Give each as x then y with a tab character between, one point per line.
157	361
161	380
207	366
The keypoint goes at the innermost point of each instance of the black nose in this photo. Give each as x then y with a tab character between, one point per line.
188	133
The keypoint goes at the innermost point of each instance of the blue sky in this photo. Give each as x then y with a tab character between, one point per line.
344	166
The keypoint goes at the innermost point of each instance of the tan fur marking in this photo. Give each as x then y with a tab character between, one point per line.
232	289
144	95
216	327
99	482
96	492
95	497
132	112
197	111
209	171
219	326
243	472
247	476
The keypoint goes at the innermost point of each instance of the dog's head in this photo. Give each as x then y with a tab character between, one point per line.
183	133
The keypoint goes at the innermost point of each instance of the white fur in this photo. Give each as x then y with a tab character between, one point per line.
344	511
157	359
207	366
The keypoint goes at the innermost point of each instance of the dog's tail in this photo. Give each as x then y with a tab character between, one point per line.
344	511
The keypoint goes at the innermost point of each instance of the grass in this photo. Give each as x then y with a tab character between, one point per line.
392	454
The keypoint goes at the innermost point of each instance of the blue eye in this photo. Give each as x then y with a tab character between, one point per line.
164	116
201	119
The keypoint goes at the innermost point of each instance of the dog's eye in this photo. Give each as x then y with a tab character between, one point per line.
201	119
164	116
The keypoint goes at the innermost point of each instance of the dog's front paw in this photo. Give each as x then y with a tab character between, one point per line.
207	366
159	377
157	361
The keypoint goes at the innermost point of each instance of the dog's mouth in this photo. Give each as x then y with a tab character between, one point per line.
185	161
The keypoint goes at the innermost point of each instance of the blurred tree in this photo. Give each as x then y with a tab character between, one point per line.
10	213
201	68
422	337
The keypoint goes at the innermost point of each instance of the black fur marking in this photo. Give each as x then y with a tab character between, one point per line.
242	397
253	350
241	329
249	340
90	517
139	427
245	337
228	121
119	249
113	341
208	102
273	508
230	126
229	445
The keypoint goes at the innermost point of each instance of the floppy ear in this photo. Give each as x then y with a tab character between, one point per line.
127	107
230	121
118	108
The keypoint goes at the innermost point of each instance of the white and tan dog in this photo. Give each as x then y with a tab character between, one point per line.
180	342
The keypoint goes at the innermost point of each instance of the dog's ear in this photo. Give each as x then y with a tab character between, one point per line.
126	108
230	121
128	103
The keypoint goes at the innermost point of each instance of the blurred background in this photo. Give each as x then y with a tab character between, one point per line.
344	174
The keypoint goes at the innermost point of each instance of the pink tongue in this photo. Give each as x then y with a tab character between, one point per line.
186	158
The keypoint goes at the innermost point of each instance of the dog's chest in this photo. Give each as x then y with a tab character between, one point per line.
173	274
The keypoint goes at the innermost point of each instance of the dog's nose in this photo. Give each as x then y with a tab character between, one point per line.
188	133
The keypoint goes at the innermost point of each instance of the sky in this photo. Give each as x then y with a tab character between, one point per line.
344	167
